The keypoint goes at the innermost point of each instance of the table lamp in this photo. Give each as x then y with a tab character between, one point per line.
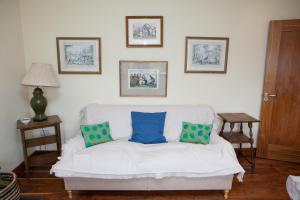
40	75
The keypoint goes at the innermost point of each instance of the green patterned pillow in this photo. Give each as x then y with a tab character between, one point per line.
95	134
195	133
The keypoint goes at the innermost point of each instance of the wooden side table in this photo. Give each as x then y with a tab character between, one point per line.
238	137
43	158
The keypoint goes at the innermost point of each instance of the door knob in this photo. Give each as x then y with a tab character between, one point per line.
267	95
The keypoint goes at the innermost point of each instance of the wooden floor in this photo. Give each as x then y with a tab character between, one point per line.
267	182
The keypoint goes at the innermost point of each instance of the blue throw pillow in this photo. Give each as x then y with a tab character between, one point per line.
148	128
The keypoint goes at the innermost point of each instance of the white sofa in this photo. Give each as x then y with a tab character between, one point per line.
293	187
123	165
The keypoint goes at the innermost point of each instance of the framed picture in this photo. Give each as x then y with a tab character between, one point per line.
143	78
144	31
206	54
79	55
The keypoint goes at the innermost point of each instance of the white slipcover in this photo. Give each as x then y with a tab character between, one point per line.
121	159
293	187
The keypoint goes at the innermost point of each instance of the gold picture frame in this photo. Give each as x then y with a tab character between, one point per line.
144	31
79	55
206	54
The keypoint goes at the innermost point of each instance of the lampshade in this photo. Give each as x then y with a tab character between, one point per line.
41	74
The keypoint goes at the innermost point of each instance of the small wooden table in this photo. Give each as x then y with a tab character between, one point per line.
238	137
43	158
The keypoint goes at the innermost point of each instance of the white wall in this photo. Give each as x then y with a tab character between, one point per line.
244	22
13	104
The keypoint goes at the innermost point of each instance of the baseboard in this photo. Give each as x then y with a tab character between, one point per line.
19	169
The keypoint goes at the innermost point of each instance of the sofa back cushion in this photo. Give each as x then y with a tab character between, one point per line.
119	117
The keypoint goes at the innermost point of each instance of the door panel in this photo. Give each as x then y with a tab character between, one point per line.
285	110
279	136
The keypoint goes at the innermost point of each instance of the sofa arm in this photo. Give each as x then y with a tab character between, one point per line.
217	125
216	139
73	145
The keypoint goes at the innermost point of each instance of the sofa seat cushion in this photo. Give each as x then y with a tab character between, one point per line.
125	160
148	128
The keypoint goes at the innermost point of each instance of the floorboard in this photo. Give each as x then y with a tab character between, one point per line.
266	183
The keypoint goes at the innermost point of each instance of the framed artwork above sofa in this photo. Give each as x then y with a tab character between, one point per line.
144	31
79	55
143	78
206	54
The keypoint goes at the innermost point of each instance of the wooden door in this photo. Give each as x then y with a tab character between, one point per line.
279	134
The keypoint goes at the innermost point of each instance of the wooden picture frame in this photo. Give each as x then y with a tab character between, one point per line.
143	78
144	31
79	55
206	54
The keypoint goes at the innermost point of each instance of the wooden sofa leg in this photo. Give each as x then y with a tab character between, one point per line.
70	194
226	192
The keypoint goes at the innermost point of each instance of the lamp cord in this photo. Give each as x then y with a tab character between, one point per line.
44	135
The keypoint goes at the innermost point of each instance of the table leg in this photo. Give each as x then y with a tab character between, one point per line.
231	128
251	145
25	154
240	149
58	138
223	126
241	128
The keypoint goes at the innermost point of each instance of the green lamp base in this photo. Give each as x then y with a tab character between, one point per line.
39	104
39	118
